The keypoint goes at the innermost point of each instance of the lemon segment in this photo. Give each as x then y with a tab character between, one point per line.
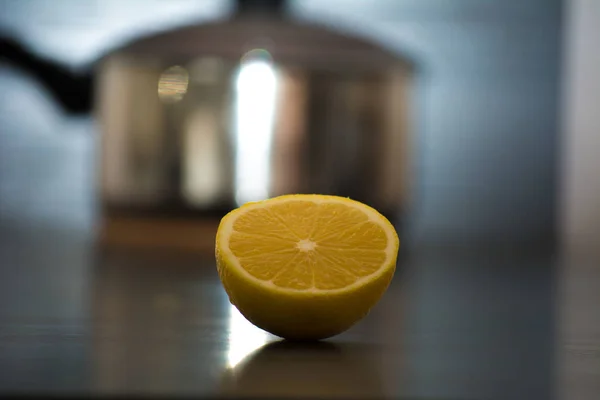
305	266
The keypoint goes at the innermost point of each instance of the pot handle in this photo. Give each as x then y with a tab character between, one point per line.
73	90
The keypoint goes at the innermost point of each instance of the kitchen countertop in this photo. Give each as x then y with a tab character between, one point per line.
78	320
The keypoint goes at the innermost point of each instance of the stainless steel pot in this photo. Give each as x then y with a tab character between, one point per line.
201	119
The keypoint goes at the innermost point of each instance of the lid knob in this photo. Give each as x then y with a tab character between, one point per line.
260	6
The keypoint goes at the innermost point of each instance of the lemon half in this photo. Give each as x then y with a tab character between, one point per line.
305	266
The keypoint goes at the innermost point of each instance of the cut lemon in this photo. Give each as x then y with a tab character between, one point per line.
305	266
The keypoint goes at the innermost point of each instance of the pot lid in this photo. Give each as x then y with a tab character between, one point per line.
264	24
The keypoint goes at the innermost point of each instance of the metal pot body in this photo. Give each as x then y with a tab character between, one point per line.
204	130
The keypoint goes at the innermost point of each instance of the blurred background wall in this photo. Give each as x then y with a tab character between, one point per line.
486	146
580	187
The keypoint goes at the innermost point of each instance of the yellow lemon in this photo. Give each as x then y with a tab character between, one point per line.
305	266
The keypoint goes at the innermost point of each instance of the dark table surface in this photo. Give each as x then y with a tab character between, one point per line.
76	320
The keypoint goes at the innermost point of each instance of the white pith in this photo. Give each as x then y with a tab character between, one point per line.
306	245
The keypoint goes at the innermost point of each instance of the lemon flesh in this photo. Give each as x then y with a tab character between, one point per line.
305	266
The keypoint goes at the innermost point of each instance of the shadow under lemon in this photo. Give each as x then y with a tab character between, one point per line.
301	369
